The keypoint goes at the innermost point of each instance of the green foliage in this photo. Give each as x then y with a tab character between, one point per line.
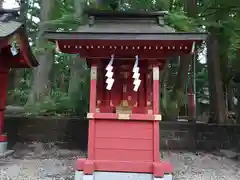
58	104
222	16
170	108
18	96
180	21
50	106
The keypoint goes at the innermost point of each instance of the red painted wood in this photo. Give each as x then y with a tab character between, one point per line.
158	168
4	43
105	115
124	145
106	109
100	88
7	60
91	139
116	93
1	121
146	117
141	94
95	48
117	129
107	96
156	102
123	154
92	109
142	111
3	95
3	138
116	143
132	96
148	89
156	143
134	117
120	137
18	61
93	97
156	99
24	47
121	166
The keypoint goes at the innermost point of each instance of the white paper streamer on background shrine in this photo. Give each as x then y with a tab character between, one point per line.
109	74
136	74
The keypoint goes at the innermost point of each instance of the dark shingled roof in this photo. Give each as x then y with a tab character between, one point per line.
126	22
10	26
8	23
105	25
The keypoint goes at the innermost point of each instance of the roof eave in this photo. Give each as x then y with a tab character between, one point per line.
107	13
33	61
54	36
12	33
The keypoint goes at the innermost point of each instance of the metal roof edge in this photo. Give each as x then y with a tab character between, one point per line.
47	33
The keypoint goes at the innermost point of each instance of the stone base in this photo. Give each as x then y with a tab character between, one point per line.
3	150
119	176
3	147
6	153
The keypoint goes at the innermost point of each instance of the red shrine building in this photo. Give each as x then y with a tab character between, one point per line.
126	52
14	53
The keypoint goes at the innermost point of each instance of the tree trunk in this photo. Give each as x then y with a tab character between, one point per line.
77	65
76	74
238	102
185	61
45	57
217	102
182	76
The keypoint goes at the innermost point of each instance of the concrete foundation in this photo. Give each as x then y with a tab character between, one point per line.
79	175
4	152
3	147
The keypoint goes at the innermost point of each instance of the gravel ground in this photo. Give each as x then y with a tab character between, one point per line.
203	166
47	162
39	162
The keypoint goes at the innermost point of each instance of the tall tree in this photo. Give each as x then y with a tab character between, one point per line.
185	61
77	78
45	55
216	91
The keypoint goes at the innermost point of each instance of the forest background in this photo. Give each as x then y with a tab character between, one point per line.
60	85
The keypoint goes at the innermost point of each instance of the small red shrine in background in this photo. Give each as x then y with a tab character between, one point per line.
14	53
125	52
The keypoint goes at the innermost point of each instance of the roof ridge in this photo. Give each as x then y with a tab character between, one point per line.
6	11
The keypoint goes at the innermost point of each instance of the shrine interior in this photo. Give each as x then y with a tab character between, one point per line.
122	98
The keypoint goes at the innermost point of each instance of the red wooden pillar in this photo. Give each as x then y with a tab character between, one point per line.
3	97
92	110
156	102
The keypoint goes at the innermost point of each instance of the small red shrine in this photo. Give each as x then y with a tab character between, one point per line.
14	53
125	52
